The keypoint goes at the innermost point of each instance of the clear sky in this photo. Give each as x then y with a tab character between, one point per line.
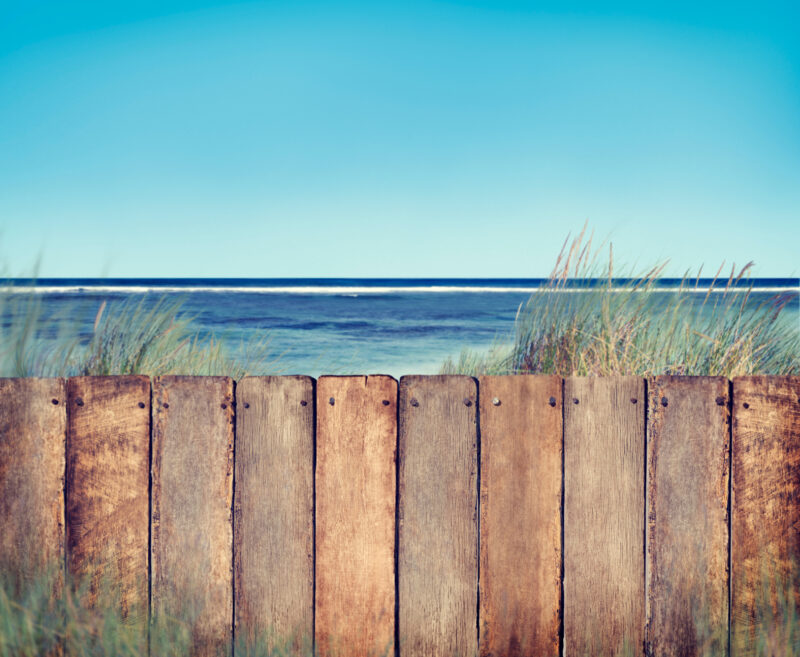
265	139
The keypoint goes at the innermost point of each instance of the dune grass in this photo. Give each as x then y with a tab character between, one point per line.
626	325
35	622
134	336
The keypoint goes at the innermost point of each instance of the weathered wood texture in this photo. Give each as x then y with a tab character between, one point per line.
355	514
107	488
520	542
765	509
33	428
438	529
687	521
274	507
192	494
604	435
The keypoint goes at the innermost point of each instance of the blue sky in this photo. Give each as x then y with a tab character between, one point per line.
395	139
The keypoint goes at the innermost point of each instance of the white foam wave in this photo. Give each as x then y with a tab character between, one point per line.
351	291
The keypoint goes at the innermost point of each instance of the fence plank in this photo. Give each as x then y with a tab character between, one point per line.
107	478
604	436
33	428
192	492
687	523
438	541
765	507
520	542
355	514
274	507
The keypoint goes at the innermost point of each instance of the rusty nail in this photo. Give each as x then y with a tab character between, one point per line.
495	401
224	406
303	402
746	405
385	402
54	402
166	405
575	400
467	402
246	405
634	400
79	402
141	404
414	402
664	402
720	401
331	401
552	401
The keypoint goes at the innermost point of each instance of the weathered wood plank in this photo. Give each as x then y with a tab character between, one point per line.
355	514
687	522
604	435
192	491
33	428
438	529
274	508
520	542
765	510
107	481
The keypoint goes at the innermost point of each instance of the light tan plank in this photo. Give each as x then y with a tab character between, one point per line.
33	428
438	529
687	524
765	518
274	508
192	534
107	496
604	434
520	543
355	514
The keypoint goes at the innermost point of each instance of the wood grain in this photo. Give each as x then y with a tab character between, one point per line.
33	428
687	521
274	507
438	528
192	491
107	488
604	434
520	541
355	514
765	510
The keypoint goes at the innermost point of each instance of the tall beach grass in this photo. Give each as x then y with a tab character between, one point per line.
589	319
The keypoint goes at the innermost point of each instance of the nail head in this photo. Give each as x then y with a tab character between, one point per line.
467	402
54	402
385	402
664	402
166	405
552	401
246	405
331	401
575	400
79	402
224	406
634	400
720	401
414	402
141	404
495	401
746	405
303	402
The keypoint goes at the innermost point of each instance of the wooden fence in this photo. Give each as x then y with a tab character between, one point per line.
443	515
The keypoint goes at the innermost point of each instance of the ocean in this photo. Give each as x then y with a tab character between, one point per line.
316	326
